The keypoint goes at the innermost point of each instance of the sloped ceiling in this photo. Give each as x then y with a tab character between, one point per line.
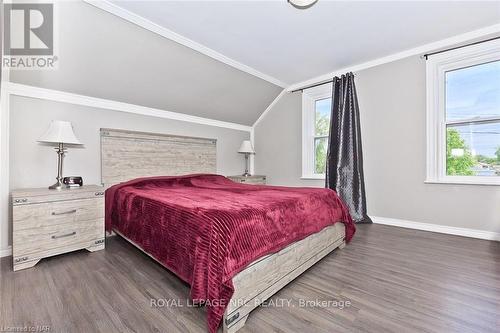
294	45
105	56
101	55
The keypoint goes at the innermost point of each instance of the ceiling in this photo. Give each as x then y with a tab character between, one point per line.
101	55
294	45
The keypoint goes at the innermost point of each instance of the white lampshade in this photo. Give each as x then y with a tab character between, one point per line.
60	132
246	148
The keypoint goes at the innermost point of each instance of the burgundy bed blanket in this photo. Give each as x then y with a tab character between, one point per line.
206	228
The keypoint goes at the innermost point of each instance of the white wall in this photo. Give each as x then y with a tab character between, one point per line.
278	143
392	106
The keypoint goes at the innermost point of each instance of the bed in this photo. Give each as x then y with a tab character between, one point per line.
234	244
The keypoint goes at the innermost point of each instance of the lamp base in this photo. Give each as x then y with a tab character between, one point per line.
246	173
60	155
56	186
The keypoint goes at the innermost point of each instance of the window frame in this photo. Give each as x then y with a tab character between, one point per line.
436	67
309	98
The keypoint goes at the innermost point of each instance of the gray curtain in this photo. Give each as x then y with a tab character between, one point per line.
344	162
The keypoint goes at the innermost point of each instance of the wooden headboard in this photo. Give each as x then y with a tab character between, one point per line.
126	155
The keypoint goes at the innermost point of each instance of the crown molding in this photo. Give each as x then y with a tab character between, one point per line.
493	29
11	88
443	43
169	34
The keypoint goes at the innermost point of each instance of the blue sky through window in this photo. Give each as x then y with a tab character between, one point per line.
475	92
323	106
323	111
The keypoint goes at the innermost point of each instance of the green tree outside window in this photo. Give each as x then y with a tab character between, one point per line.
458	165
322	127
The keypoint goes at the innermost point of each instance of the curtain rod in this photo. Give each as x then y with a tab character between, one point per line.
312	86
426	56
315	85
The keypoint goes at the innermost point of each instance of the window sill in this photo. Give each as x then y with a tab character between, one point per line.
465	181
313	177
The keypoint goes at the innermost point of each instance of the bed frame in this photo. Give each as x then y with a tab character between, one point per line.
127	155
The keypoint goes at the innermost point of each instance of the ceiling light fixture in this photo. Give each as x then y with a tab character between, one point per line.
302	4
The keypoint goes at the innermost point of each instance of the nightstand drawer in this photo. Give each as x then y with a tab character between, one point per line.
255	179
51	222
252	180
54	213
34	240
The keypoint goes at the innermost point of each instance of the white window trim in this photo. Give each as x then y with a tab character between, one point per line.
309	98
436	67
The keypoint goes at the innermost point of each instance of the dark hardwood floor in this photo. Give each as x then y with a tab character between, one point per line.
389	280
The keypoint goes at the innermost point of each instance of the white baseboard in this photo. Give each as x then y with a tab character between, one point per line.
443	229
6	252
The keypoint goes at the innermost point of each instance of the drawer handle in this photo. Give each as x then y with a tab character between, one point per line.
65	235
232	318
62	213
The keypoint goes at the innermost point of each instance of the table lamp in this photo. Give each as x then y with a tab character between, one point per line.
247	149
60	133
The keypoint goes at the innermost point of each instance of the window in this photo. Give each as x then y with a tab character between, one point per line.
321	129
316	109
463	115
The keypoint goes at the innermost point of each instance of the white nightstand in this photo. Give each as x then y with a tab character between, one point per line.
50	222
255	179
